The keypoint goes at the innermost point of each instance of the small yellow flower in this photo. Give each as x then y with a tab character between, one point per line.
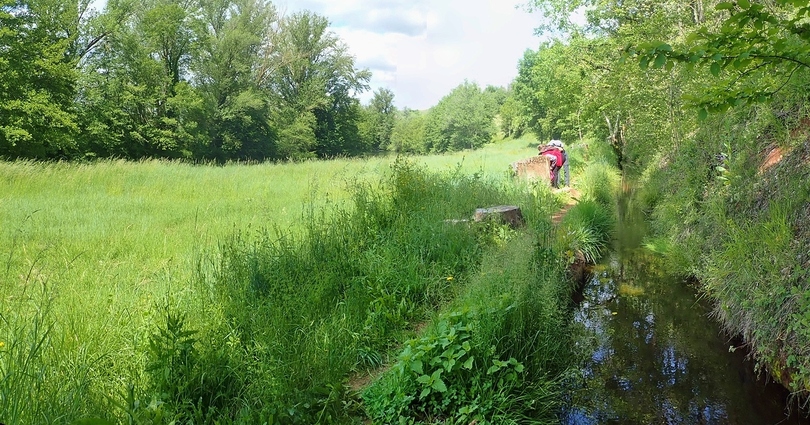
449	278
2	344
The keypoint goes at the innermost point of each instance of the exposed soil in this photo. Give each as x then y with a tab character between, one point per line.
573	198
774	156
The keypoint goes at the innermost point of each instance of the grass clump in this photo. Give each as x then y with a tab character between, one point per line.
495	355
586	230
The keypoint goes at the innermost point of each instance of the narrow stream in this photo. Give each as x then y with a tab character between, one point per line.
652	355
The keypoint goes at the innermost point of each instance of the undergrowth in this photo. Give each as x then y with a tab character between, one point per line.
496	355
740	229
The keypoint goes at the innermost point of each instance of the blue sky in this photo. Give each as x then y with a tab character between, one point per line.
422	49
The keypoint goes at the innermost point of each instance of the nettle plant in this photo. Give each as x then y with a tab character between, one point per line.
444	375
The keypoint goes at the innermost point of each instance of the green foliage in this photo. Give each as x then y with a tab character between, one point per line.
600	183
548	86
495	355
586	229
380	116
315	74
464	119
408	134
37	79
301	311
434	377
511	122
756	50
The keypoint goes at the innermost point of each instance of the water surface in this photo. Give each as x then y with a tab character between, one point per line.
651	353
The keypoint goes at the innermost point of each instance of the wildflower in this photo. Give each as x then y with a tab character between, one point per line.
449	278
2	344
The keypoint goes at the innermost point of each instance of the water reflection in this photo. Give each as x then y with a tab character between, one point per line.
651	355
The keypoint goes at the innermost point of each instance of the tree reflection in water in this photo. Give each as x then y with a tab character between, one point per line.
651	355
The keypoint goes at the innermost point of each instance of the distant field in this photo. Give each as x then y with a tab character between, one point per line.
112	235
138	221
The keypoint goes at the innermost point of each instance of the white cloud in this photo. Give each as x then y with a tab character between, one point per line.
422	49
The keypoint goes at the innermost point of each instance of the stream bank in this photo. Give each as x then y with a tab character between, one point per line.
651	354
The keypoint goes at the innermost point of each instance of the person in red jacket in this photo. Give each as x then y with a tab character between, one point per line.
556	158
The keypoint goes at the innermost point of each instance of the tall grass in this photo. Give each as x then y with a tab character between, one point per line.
309	310
494	355
127	251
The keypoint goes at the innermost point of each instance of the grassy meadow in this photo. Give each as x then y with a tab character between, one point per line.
160	292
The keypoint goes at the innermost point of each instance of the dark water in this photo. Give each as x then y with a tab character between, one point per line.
652	355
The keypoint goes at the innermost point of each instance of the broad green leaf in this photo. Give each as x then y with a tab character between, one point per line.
439	385
416	366
715	68
664	47
669	65
644	62
469	363
724	6
744	4
703	114
660	60
424	392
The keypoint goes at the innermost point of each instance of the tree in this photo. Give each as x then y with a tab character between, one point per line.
38	78
408	133
464	119
315	77
379	117
135	99
511	120
755	53
231	37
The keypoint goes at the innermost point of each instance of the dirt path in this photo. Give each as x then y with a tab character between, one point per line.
573	195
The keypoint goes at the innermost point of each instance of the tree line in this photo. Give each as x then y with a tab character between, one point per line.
210	80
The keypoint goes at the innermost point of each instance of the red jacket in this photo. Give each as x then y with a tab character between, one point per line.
553	150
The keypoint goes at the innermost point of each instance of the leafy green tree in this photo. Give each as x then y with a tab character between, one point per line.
135	100
408	133
635	112
315	76
464	119
38	77
379	117
755	51
549	86
511	120
232	36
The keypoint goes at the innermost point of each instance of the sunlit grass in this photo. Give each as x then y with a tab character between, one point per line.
141	223
108	243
